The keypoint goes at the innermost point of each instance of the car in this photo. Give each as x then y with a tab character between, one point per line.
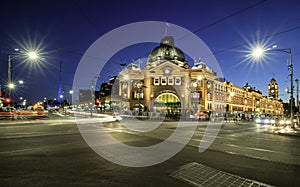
286	121
276	120
263	120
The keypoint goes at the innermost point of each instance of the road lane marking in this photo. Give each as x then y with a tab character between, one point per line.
252	148
39	148
34	135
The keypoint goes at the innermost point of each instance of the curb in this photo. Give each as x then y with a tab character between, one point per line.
288	134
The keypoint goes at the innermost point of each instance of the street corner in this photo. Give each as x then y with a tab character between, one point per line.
289	131
284	130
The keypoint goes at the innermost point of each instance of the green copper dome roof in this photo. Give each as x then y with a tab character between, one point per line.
166	50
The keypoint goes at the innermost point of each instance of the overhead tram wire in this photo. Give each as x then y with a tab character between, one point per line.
222	19
257	40
232	47
202	28
227	17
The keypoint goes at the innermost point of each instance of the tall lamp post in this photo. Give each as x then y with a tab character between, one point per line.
259	52
31	55
297	94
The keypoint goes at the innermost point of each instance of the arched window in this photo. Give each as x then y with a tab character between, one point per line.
167	98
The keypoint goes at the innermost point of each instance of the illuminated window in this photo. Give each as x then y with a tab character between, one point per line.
178	81
124	85
170	81
156	81
164	81
195	95
167	98
138	95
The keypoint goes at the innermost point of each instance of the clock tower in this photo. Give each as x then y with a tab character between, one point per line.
273	89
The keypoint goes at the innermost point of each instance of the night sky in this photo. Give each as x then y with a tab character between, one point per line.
64	30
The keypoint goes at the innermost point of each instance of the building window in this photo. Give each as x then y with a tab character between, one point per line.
178	81
170	81
209	96
156	81
195	95
164	81
124	85
138	95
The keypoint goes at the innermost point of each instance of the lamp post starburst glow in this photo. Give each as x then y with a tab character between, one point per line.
32	55
258	52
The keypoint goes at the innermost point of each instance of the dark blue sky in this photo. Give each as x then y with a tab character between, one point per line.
65	29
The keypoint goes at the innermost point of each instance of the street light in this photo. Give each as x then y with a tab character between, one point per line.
11	85
259	52
30	55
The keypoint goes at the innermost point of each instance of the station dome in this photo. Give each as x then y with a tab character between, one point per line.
166	50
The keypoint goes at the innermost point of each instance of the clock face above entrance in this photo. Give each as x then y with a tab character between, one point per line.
167	71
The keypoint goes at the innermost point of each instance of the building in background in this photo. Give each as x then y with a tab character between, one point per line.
105	102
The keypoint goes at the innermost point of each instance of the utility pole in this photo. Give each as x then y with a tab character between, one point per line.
92	97
297	94
292	86
60	90
9	75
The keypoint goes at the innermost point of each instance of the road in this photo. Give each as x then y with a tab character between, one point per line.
51	152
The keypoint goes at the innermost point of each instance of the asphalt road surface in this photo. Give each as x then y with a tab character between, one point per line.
52	152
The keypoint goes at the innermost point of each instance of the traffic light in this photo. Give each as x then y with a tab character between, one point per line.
97	101
7	100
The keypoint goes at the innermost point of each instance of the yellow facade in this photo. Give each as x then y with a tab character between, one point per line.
168	83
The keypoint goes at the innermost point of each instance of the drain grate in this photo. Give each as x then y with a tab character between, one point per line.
197	174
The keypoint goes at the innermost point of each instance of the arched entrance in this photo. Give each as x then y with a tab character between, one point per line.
168	103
